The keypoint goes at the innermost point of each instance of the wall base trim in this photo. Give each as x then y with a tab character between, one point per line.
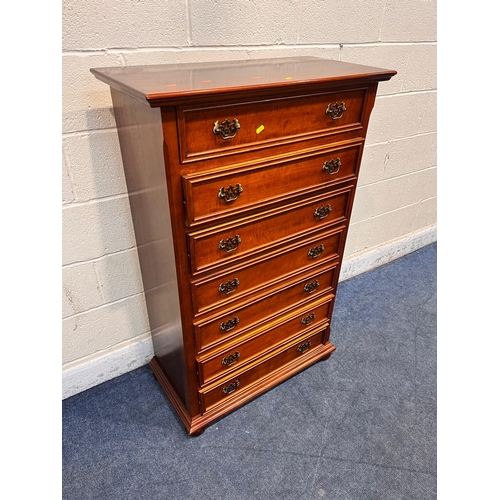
365	261
90	373
135	354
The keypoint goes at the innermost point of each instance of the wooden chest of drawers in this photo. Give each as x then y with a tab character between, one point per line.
241	179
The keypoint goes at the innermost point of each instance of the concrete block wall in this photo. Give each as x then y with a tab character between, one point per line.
105	325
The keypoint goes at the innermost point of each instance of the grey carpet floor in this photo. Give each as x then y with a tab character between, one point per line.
361	425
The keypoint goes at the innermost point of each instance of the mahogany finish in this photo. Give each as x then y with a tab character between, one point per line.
267	229
263	122
243	379
164	84
264	276
241	187
209	331
264	184
212	364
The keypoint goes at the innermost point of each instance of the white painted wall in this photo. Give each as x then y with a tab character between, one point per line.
105	326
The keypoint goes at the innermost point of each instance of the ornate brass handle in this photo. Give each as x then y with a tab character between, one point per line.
332	166
229	325
323	211
231	193
226	129
304	347
230	244
311	287
228	389
308	319
316	251
229	286
231	359
336	110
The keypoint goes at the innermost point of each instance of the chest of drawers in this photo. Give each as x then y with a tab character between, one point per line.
241	178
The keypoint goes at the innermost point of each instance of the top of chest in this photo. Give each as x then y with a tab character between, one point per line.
177	84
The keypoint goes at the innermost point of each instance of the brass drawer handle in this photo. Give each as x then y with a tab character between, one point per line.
316	251
308	319
230	244
229	325
226	129
332	166
323	211
336	110
304	347
229	286
231	193
231	359
231	387
311	287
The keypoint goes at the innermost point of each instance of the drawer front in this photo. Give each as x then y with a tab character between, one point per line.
215	194
242	318
264	232
257	278
210	131
242	353
234	386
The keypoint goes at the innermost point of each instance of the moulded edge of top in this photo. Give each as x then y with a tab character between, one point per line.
148	83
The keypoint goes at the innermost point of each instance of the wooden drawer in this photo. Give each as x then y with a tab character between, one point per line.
240	354
223	293
262	123
233	241
234	190
223	327
234	386
243	317
255	278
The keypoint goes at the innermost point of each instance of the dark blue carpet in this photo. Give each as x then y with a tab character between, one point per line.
361	425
